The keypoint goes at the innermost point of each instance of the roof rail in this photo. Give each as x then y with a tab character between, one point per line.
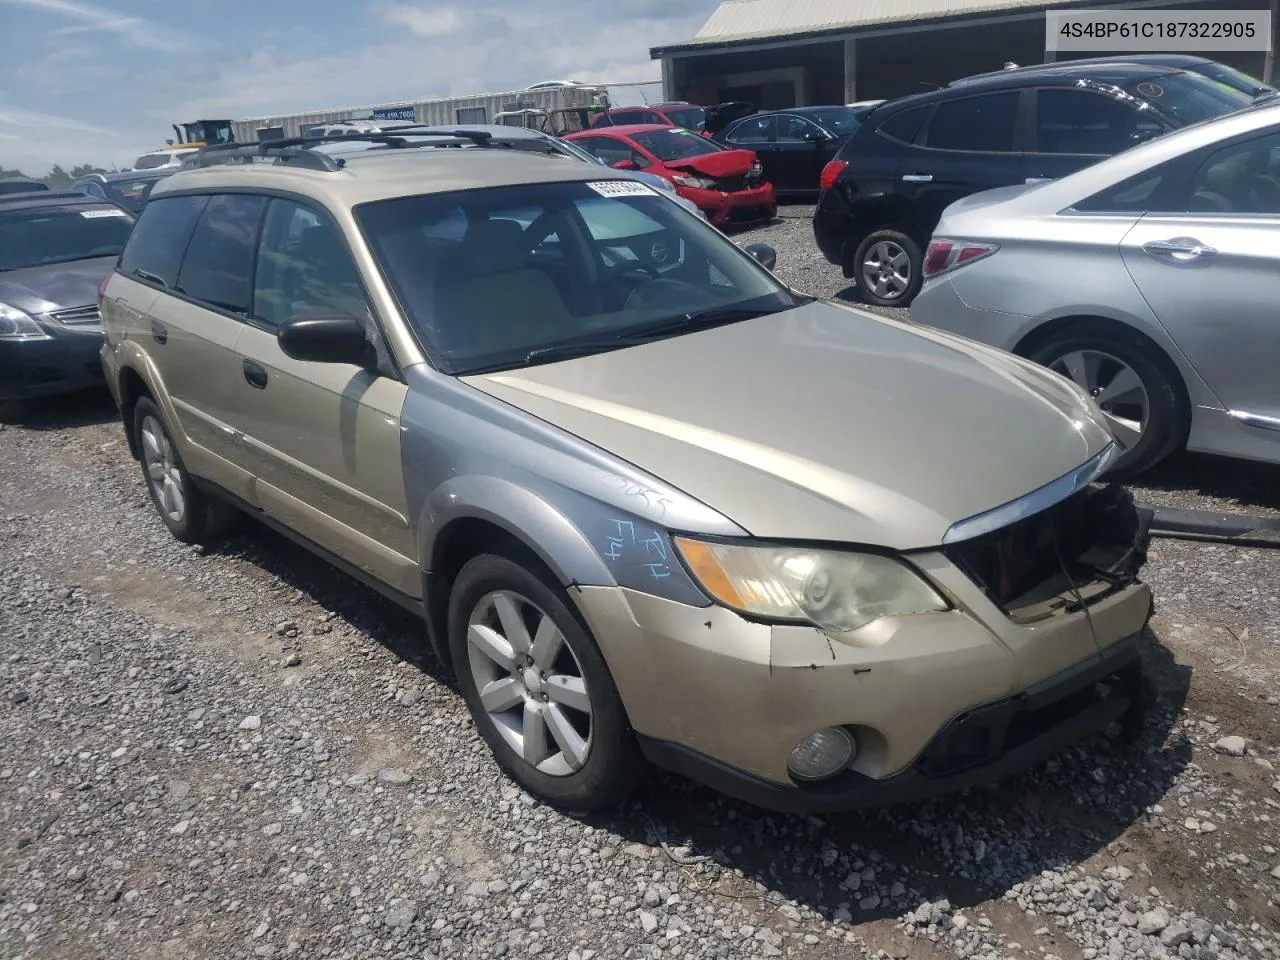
293	150
28	196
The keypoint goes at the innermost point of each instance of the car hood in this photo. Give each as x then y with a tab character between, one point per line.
823	422
722	163
55	286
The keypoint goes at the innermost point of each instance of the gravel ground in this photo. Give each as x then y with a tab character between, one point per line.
241	753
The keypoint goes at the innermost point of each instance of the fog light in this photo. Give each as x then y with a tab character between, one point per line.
822	754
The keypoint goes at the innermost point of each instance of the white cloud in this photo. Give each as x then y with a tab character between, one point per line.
431	21
94	19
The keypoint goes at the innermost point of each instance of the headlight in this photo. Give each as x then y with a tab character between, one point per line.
832	590
17	325
698	183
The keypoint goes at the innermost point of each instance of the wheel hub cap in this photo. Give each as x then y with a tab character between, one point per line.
532	683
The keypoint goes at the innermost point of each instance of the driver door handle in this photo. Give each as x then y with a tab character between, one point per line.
255	374
918	177
1180	249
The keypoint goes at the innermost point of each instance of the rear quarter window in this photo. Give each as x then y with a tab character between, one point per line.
154	251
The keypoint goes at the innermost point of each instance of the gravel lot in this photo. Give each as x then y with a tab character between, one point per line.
242	753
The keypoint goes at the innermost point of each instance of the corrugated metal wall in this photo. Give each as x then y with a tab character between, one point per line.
442	111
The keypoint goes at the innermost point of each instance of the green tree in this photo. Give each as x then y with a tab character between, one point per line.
57	178
6	174
84	170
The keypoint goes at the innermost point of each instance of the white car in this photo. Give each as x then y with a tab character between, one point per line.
163	158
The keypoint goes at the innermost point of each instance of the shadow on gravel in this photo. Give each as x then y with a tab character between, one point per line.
57	413
1248	483
967	848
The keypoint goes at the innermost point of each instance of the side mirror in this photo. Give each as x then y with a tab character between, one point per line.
816	136
763	254
324	339
625	165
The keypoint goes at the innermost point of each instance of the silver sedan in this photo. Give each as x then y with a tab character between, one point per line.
1151	279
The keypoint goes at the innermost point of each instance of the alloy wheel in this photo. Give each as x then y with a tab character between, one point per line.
530	683
1115	387
886	271
164	476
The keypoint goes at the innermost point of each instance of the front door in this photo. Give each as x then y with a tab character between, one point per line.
760	135
1211	273
322	439
800	153
970	144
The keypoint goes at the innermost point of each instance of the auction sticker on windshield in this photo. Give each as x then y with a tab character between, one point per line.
621	188
95	214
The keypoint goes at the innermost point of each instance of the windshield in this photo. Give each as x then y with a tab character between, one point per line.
131	194
675	144
839	120
1236	79
1188	98
33	238
691	118
510	276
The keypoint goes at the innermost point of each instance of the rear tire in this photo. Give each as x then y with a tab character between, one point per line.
888	268
1094	356
531	711
190	515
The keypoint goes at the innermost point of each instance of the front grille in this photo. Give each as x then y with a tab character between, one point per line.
745	214
737	184
1096	535
77	316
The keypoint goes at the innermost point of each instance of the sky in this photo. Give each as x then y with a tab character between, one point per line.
82	82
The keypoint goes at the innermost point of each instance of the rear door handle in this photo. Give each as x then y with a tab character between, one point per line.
1038	179
160	332
918	177
255	374
1180	249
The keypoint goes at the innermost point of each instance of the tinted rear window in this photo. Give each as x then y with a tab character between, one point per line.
154	252
984	124
691	118
151	160
33	238
131	193
218	266
905	125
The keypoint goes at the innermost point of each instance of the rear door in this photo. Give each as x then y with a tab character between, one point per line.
969	144
1209	267
190	260
322	439
760	135
1071	128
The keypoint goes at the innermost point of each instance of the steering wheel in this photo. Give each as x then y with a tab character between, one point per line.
632	266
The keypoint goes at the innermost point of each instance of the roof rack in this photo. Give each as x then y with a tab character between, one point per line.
295	152
30	196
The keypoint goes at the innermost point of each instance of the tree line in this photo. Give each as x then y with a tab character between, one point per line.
57	178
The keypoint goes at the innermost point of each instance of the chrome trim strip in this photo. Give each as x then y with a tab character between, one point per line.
1039	499
1255	420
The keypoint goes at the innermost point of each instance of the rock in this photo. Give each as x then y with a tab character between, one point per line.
652	897
869	902
284	629
76	874
1231	746
251	723
410	697
1153	921
1175	934
394	776
273	829
638	850
648	922
1208	826
293	660
357	780
400	915
1276	873
478	889
842	914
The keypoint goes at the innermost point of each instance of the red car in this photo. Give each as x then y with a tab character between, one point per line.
727	185
703	120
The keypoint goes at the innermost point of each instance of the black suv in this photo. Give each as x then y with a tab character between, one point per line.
911	158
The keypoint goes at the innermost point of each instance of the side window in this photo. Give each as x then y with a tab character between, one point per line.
1135	195
755	130
983	124
795	129
1081	122
218	267
611	151
304	267
904	126
155	247
1241	178
623	117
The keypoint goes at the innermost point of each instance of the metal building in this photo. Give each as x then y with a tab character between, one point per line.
481	108
785	53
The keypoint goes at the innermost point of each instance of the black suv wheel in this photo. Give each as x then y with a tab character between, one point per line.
887	268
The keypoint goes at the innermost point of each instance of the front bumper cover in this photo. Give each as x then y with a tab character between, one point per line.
981	745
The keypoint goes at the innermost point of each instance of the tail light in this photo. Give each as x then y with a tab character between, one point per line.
830	172
944	255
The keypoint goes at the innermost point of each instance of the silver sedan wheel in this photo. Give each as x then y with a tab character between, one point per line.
164	476
530	683
1115	388
886	271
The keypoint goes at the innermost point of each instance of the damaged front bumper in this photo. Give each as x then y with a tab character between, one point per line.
1011	675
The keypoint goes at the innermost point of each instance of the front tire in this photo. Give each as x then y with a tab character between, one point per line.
538	688
1132	384
888	269
190	515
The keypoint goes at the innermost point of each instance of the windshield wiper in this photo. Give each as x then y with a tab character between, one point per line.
699	320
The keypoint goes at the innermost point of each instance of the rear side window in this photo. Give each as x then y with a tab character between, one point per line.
755	130
1135	195
984	124
155	247
905	126
218	267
